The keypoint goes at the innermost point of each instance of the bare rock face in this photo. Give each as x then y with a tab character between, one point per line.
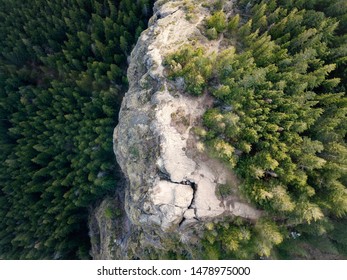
171	182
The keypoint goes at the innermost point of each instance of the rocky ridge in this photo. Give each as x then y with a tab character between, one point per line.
171	182
154	143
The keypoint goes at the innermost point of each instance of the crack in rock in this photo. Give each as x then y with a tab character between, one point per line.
194	188
181	222
163	14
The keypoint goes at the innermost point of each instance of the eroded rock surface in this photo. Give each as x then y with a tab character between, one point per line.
171	182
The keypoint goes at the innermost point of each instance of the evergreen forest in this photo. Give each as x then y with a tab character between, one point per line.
279	120
62	76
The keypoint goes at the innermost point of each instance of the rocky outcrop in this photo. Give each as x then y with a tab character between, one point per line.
171	182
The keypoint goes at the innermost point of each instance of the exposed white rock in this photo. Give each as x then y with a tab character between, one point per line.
177	195
189	214
169	178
